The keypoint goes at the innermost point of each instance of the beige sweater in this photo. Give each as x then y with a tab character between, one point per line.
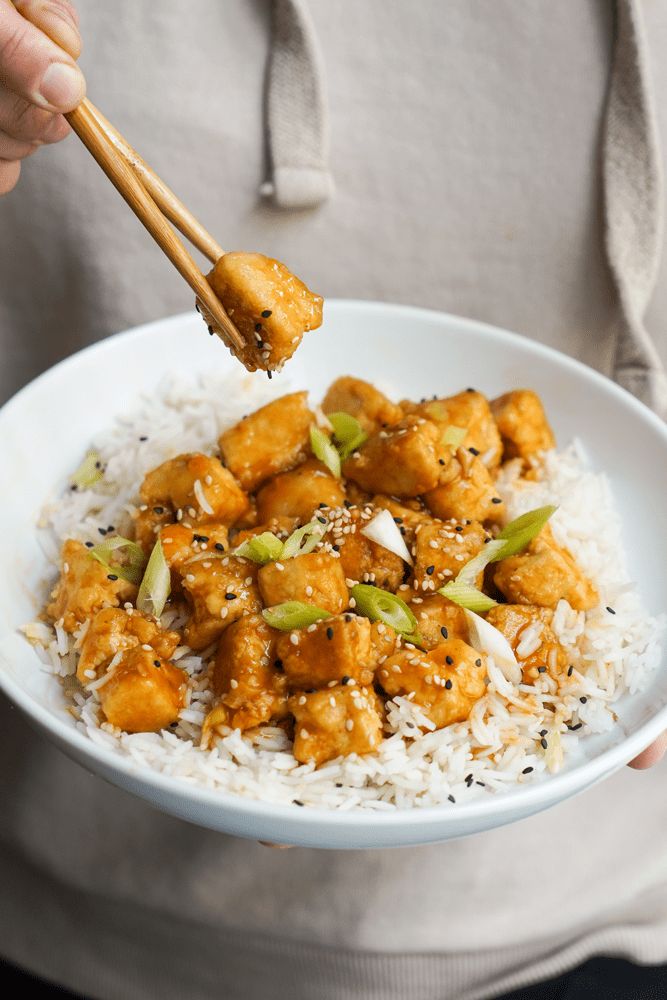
464	152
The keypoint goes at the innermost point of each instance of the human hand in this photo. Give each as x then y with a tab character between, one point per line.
652	755
39	79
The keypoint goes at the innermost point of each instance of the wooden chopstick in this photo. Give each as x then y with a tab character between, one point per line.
170	205
122	176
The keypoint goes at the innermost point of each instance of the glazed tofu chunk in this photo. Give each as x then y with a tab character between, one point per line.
85	587
529	633
441	551
270	307
315	578
114	630
438	619
280	526
469	409
198	487
330	650
300	492
543	575
335	722
523	424
245	679
181	543
403	460
144	692
446	681
273	439
466	490
148	521
362	560
408	514
220	590
361	400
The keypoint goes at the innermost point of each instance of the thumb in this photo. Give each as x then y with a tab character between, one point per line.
58	20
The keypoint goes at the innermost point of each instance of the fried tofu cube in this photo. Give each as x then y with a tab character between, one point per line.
181	543
543	575
466	490
328	651
442	549
220	590
148	521
362	560
300	492
402	460
361	400
244	676
273	439
114	630
270	307
523	424
144	693
281	527
335	722
315	578
85	587
446	681
408	514
469	409
438	619
198	486
529	633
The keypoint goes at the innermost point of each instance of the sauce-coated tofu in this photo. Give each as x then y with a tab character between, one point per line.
529	633
85	587
446	681
466	490
198	486
402	460
181	543
469	409
523	424
442	549
315	578
221	590
362	560
335	722
245	678
148	521
361	400
144	693
282	527
300	492
113	630
273	439
328	651
439	619
270	307
543	575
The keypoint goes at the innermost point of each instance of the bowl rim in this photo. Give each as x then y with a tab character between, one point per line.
533	796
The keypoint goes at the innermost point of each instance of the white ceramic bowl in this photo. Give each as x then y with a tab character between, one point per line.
46	427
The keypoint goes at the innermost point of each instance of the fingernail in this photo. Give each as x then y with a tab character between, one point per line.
62	86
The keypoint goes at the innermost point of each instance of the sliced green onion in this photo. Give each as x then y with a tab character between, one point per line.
293	614
156	584
325	450
454	436
89	472
262	549
381	606
348	433
522	530
478	563
135	560
303	540
467	596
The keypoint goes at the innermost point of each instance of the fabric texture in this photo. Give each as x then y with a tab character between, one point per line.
296	110
633	192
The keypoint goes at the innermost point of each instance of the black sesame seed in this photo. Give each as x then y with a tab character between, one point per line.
345	679
74	487
430	570
278	664
348	618
610	610
398	520
480	783
583	699
98	465
543	732
443	632
473	451
478	663
496	500
90	545
230	597
219	546
339	784
210	331
322	520
574	728
270	374
441	461
347	504
541	670
144	437
570	670
102	531
266	313
451	798
258	327
321	506
330	632
449	661
297	802
402	530
112	576
336	548
543	743
110	527
527	770
448	684
158	510
470	390
156	663
260	344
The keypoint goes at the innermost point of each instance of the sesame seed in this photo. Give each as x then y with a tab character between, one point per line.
443	632
230	597
279	566
570	670
583	699
527	770
265	313
543	743
219	546
302	700
473	451
156	663
448	684
146	648
294	639
541	670
304	734
345	679
330	632
430	570
610	610
478	663
496	500
349	725
111	576
297	802
90	545
233	683
451	798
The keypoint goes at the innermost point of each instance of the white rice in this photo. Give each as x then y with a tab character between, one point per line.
500	745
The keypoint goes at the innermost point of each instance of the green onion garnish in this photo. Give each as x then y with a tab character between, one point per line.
454	436
348	433
293	614
156	584
522	530
262	549
89	472
303	540
324	450
478	563
467	596
135	560
381	606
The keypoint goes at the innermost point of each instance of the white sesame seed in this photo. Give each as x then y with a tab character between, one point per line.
146	648
309	591
304	734
294	639
349	725
233	684
279	566
302	700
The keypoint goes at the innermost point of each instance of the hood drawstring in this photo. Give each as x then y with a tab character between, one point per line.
296	112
